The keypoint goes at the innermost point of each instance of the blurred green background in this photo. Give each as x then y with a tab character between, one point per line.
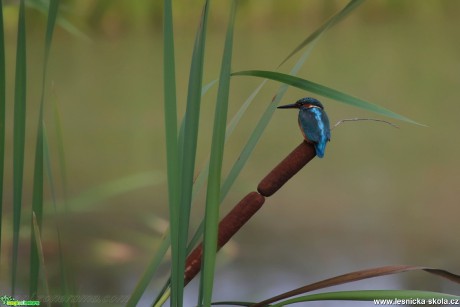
380	196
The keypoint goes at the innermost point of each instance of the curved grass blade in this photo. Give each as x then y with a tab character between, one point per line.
322	29
383	297
19	131
2	118
360	275
211	219
324	91
37	195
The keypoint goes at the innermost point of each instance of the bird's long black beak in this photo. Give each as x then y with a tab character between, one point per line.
289	106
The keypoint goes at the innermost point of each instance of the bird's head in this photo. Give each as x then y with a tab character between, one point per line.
307	102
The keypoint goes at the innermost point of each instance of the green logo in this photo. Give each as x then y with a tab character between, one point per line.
10	301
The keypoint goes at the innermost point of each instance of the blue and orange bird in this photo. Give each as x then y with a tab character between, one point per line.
313	122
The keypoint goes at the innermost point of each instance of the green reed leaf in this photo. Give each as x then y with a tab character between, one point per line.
324	91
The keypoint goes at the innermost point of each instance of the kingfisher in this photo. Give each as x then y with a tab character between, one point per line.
313	122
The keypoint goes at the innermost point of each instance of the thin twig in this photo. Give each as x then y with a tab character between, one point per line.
356	119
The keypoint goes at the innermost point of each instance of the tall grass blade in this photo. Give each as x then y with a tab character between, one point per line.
324	91
37	196
211	219
19	133
188	153
172	150
353	4
2	119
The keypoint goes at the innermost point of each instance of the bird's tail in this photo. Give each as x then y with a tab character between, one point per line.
320	148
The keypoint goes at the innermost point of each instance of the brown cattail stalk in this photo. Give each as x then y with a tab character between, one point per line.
229	225
252	202
284	171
